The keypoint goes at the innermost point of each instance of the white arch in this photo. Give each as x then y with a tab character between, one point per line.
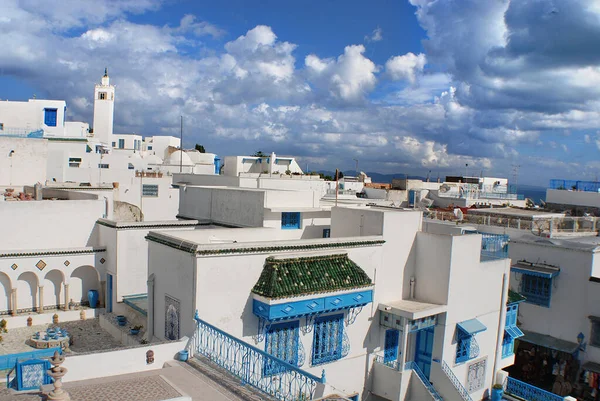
5	291
53	288
83	279
27	291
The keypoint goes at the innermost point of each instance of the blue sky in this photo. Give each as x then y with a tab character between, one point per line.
403	86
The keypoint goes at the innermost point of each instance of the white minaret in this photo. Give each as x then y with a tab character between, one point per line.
104	108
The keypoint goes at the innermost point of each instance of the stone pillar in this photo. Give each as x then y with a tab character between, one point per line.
13	301
102	294
66	307
150	322
404	343
41	299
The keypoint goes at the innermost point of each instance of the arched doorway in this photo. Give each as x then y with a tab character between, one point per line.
27	291
83	279
53	289
5	290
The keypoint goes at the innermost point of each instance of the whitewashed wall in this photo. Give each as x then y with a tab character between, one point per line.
27	165
30	115
578	198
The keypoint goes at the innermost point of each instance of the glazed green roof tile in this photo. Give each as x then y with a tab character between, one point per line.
285	278
514	297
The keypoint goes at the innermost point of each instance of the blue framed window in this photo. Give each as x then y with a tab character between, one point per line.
149	190
121	143
463	348
327	340
536	289
50	117
511	331
466	345
114	144
326	232
290	220
282	341
150	147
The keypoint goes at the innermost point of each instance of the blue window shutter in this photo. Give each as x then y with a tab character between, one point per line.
290	220
50	117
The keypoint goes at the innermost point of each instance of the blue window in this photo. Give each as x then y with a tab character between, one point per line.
50	117
121	143
150	147
114	144
282	341
149	190
466	345
103	165
327	340
290	220
536	289
511	331
326	232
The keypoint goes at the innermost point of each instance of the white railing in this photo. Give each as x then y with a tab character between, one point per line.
455	382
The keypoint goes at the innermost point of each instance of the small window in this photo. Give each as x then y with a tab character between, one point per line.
1	126
102	95
130	166
114	144
50	117
121	143
290	220
282	341
103	166
150	147
149	190
537	290
595	335
327	340
326	232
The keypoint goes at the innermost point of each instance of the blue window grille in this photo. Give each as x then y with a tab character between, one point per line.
327	340
149	190
494	246
537	290
282	341
463	348
326	233
50	117
121	143
290	220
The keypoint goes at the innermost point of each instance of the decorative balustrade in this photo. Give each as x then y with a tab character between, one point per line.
528	392
253	366
455	382
415	368
390	364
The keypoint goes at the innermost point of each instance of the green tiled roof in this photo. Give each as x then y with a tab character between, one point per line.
514	296
283	278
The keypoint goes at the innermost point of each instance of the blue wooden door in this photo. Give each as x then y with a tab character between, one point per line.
424	350
109	292
390	352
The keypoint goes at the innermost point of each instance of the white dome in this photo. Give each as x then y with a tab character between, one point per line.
176	158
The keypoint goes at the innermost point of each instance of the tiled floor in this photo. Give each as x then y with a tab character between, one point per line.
87	336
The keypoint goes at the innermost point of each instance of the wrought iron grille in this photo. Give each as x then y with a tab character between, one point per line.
328	339
528	392
282	341
455	382
467	348
390	364
537	290
415	368
241	359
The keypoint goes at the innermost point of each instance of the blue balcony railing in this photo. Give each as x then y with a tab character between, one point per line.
390	364
494	246
241	359
528	392
10	360
415	368
573	185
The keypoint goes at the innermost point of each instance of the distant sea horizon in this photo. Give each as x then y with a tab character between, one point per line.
532	192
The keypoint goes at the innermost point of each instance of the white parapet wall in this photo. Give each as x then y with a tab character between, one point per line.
120	362
14	322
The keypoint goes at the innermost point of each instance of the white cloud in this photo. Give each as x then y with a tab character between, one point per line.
408	66
375	36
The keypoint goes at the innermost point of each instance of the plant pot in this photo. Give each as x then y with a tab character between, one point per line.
93	298
183	355
497	394
121	320
134	332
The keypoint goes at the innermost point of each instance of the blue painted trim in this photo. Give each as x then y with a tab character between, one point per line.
295	309
534	273
323	350
9	361
50	117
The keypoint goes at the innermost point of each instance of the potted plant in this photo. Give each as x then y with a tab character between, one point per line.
135	330
497	392
121	320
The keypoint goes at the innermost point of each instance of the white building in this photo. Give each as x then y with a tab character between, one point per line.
372	305
104	109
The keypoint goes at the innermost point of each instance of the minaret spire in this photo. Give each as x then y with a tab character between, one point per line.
106	71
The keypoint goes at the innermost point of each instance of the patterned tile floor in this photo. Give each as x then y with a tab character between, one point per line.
87	336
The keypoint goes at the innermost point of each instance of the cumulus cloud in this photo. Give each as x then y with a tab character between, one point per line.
406	67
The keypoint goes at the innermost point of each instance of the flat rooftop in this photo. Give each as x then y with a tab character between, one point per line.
412	308
514	212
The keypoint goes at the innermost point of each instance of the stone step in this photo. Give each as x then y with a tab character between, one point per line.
226	380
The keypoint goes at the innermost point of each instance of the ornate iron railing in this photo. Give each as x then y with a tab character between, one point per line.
390	364
415	368
528	392
455	382
287	383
